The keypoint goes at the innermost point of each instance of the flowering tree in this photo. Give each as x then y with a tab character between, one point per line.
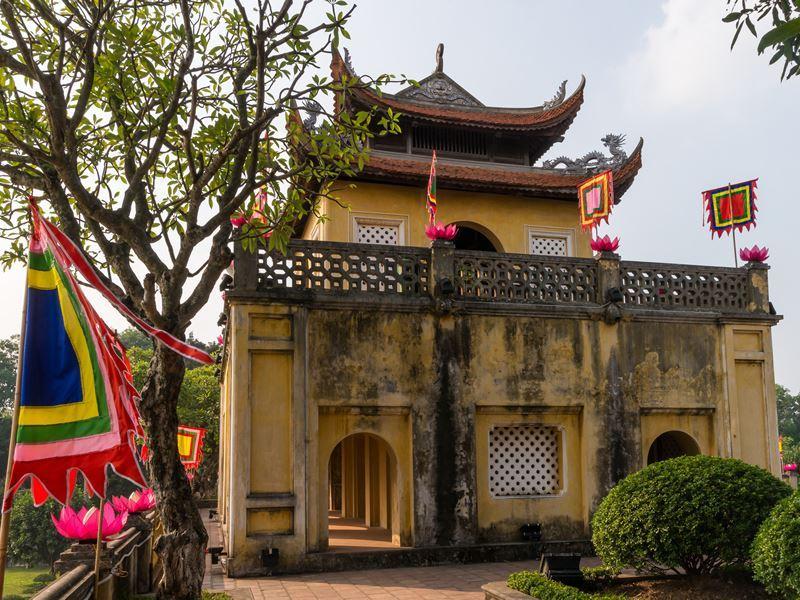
143	127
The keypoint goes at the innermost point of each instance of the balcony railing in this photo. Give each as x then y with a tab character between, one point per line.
333	269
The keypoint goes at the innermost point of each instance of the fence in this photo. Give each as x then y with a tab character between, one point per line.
312	269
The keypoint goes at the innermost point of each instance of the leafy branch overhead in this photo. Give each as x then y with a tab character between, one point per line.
147	125
143	128
783	37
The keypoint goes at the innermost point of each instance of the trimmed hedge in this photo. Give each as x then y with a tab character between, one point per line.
539	586
699	513
776	549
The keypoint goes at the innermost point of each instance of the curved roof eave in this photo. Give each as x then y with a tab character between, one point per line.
549	183
520	119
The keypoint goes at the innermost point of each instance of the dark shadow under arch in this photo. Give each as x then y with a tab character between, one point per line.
472	236
672	444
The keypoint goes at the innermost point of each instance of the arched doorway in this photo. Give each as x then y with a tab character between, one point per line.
671	445
362	495
472	237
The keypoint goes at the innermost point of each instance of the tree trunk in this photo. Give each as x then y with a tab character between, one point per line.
182	545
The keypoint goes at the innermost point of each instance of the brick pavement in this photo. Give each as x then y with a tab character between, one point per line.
450	582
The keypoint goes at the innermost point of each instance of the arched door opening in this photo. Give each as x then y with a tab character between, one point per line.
671	445
469	238
362	495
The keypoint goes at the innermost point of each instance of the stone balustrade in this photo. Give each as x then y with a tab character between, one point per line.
126	565
312	270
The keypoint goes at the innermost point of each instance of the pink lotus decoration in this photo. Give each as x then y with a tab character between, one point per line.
82	525
754	254
437	231
604	244
137	502
790	467
220	340
238	220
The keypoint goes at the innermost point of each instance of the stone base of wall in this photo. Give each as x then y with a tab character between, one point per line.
321	562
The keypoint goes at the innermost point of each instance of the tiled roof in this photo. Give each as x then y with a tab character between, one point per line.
547	183
554	121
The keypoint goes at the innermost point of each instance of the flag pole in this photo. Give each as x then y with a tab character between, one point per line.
12	443
97	548
733	227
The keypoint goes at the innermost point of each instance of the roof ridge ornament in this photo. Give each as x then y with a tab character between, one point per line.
559	97
348	60
594	160
439	59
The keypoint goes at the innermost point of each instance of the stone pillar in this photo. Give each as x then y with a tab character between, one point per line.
383	483
442	269
757	287
608	277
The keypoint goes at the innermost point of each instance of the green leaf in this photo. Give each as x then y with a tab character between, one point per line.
730	18
780	34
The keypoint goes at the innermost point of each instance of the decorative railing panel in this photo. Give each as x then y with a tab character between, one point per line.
523	278
654	285
331	267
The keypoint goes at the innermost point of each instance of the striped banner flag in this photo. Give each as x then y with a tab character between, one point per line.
431	196
77	402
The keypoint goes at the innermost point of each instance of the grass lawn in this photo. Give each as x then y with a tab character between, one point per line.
20	581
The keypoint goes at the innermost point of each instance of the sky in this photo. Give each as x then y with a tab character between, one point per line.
658	70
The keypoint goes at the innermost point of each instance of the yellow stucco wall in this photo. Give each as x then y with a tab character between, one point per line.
298	379
503	218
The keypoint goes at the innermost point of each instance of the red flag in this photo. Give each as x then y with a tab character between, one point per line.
431	195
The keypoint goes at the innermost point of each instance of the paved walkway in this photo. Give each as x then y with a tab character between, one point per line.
451	582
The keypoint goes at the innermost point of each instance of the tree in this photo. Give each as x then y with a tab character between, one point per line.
9	349
783	36
143	127
34	541
198	405
788	412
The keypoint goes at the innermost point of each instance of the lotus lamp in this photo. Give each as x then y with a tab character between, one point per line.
82	525
437	231
754	254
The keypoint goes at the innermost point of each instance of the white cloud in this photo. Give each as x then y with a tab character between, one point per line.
687	64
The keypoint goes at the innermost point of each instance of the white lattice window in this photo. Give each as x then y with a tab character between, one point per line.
545	242
524	460
387	232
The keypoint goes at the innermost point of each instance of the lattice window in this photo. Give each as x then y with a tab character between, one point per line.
386	232
524	460
548	245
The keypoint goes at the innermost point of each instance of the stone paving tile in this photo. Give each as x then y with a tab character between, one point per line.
451	582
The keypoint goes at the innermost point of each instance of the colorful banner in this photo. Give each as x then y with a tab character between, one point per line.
595	199
190	446
77	401
73	256
732	207
431	195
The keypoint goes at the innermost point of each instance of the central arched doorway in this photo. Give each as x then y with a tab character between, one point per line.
672	444
362	495
473	237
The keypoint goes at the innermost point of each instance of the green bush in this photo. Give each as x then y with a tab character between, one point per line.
776	549
542	588
599	574
699	513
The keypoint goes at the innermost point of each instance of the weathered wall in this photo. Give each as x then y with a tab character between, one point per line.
432	385
502	217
